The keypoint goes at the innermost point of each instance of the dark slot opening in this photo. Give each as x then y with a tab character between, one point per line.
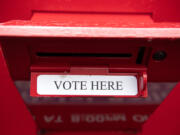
47	54
140	55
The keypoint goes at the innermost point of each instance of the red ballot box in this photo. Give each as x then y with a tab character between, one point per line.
89	67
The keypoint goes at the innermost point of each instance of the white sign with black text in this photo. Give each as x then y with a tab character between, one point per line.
87	85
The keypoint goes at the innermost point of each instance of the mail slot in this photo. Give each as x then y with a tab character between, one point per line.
86	67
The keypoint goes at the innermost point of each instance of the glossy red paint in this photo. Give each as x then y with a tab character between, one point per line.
99	25
160	10
103	26
165	120
15	117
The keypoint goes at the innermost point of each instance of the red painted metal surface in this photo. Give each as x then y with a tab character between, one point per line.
100	26
165	120
118	31
15	117
160	10
21	54
90	25
92	117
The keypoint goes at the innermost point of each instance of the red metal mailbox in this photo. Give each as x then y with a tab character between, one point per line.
97	51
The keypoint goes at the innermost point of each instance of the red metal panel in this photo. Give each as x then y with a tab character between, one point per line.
161	10
15	117
91	117
24	52
165	120
90	25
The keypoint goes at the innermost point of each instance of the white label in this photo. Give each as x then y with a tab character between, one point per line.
89	85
